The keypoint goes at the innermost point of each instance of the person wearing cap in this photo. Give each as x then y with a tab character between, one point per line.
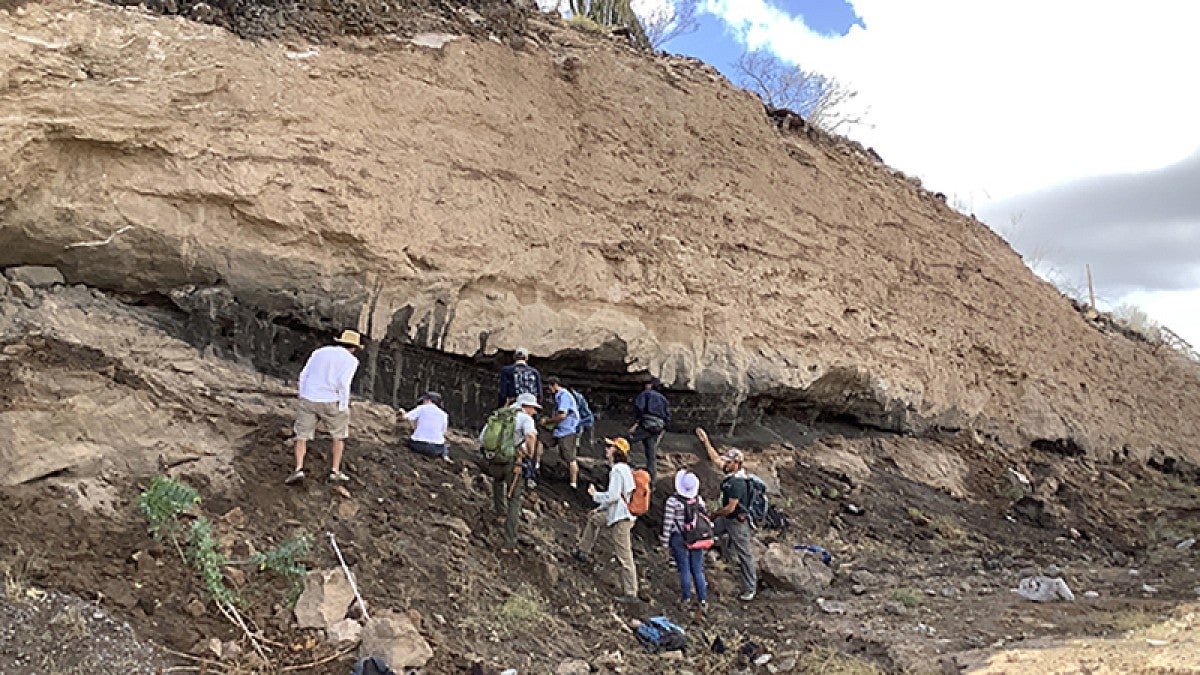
689	563
653	416
731	522
429	436
612	516
507	486
519	378
565	432
325	397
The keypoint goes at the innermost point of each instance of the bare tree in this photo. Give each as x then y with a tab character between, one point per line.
675	19
820	99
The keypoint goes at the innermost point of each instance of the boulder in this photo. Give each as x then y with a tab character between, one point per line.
573	667
35	275
801	571
346	630
326	597
394	638
20	290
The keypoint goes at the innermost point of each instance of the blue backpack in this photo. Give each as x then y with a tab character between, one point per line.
660	635
586	418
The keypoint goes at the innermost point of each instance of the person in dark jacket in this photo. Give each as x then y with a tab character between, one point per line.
519	378
653	415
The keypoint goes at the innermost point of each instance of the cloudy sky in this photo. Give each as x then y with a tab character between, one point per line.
1072	127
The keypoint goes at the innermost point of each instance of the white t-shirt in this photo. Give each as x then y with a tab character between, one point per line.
432	423
327	375
524	425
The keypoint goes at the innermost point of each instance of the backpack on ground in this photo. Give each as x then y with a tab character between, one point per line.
586	417
639	500
660	635
697	528
757	505
526	380
372	666
498	445
776	519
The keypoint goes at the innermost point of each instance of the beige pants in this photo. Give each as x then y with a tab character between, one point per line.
619	532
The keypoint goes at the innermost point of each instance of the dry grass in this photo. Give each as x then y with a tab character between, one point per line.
908	597
829	661
522	611
948	528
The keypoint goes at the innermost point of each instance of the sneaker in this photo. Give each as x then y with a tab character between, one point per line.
574	486
338	477
627	599
447	458
747	596
295	477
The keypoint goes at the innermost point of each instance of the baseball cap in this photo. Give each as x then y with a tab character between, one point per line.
521	353
432	397
618	443
528	399
733	455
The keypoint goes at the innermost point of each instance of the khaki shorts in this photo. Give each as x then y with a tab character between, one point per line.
308	413
568	447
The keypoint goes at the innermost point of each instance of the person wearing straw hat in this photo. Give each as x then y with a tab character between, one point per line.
325	397
689	562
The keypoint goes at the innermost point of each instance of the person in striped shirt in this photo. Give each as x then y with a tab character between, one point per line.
689	562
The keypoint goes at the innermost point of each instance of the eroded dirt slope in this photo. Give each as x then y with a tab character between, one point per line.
561	192
923	564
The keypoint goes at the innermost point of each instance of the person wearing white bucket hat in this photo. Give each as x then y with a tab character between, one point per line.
684	511
325	397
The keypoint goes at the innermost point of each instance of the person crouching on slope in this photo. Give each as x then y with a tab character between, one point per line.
612	515
325	397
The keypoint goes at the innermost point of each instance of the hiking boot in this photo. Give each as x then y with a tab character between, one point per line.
338	477
747	596
295	477
628	599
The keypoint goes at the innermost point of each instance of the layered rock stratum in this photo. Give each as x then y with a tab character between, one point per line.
559	191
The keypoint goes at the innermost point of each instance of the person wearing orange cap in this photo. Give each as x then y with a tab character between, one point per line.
613	517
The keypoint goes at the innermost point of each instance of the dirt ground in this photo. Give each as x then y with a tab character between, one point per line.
923	567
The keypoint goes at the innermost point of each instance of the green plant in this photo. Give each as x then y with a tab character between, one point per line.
521	611
907	597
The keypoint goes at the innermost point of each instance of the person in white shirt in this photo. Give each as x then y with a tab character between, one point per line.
429	436
612	516
325	397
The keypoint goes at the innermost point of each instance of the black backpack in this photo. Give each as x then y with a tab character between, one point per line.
374	665
697	528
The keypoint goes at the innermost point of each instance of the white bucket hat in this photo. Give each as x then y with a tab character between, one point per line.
687	484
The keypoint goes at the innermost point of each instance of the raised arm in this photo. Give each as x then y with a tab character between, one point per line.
713	455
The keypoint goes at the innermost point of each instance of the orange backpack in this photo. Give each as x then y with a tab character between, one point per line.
639	500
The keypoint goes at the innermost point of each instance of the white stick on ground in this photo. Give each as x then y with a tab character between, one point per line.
350	577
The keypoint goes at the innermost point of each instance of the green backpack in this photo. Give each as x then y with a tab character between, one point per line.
498	433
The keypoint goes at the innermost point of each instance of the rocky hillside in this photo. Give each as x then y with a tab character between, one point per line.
616	213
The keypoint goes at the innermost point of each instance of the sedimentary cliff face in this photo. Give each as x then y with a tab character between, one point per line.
617	214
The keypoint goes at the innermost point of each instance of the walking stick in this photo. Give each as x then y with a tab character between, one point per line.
350	577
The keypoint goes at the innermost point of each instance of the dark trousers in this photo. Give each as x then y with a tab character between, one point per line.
503	504
427	448
649	443
691	569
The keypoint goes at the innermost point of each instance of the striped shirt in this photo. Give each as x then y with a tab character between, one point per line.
673	516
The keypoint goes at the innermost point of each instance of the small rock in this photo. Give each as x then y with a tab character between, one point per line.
213	646
1186	543
893	607
347	510
37	276
196	609
784	666
831	607
1157	643
394	637
949	592
762	660
3	286
1091	594
456	525
235	517
235	576
21	290
1133	573
1044	589
342	491
863	578
230	650
573	667
858	589
344	631
1053	571
327	595
1147	588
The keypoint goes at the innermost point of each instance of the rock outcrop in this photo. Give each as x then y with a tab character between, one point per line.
631	216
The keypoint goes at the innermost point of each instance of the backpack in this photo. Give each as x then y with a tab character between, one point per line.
586	417
639	500
526	380
697	528
498	444
372	666
757	507
660	635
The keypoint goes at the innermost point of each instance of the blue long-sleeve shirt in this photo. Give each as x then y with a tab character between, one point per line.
650	402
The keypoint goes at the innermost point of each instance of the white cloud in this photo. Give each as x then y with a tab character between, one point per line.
993	98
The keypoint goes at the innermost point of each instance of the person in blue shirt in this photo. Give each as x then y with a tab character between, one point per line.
565	434
653	416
